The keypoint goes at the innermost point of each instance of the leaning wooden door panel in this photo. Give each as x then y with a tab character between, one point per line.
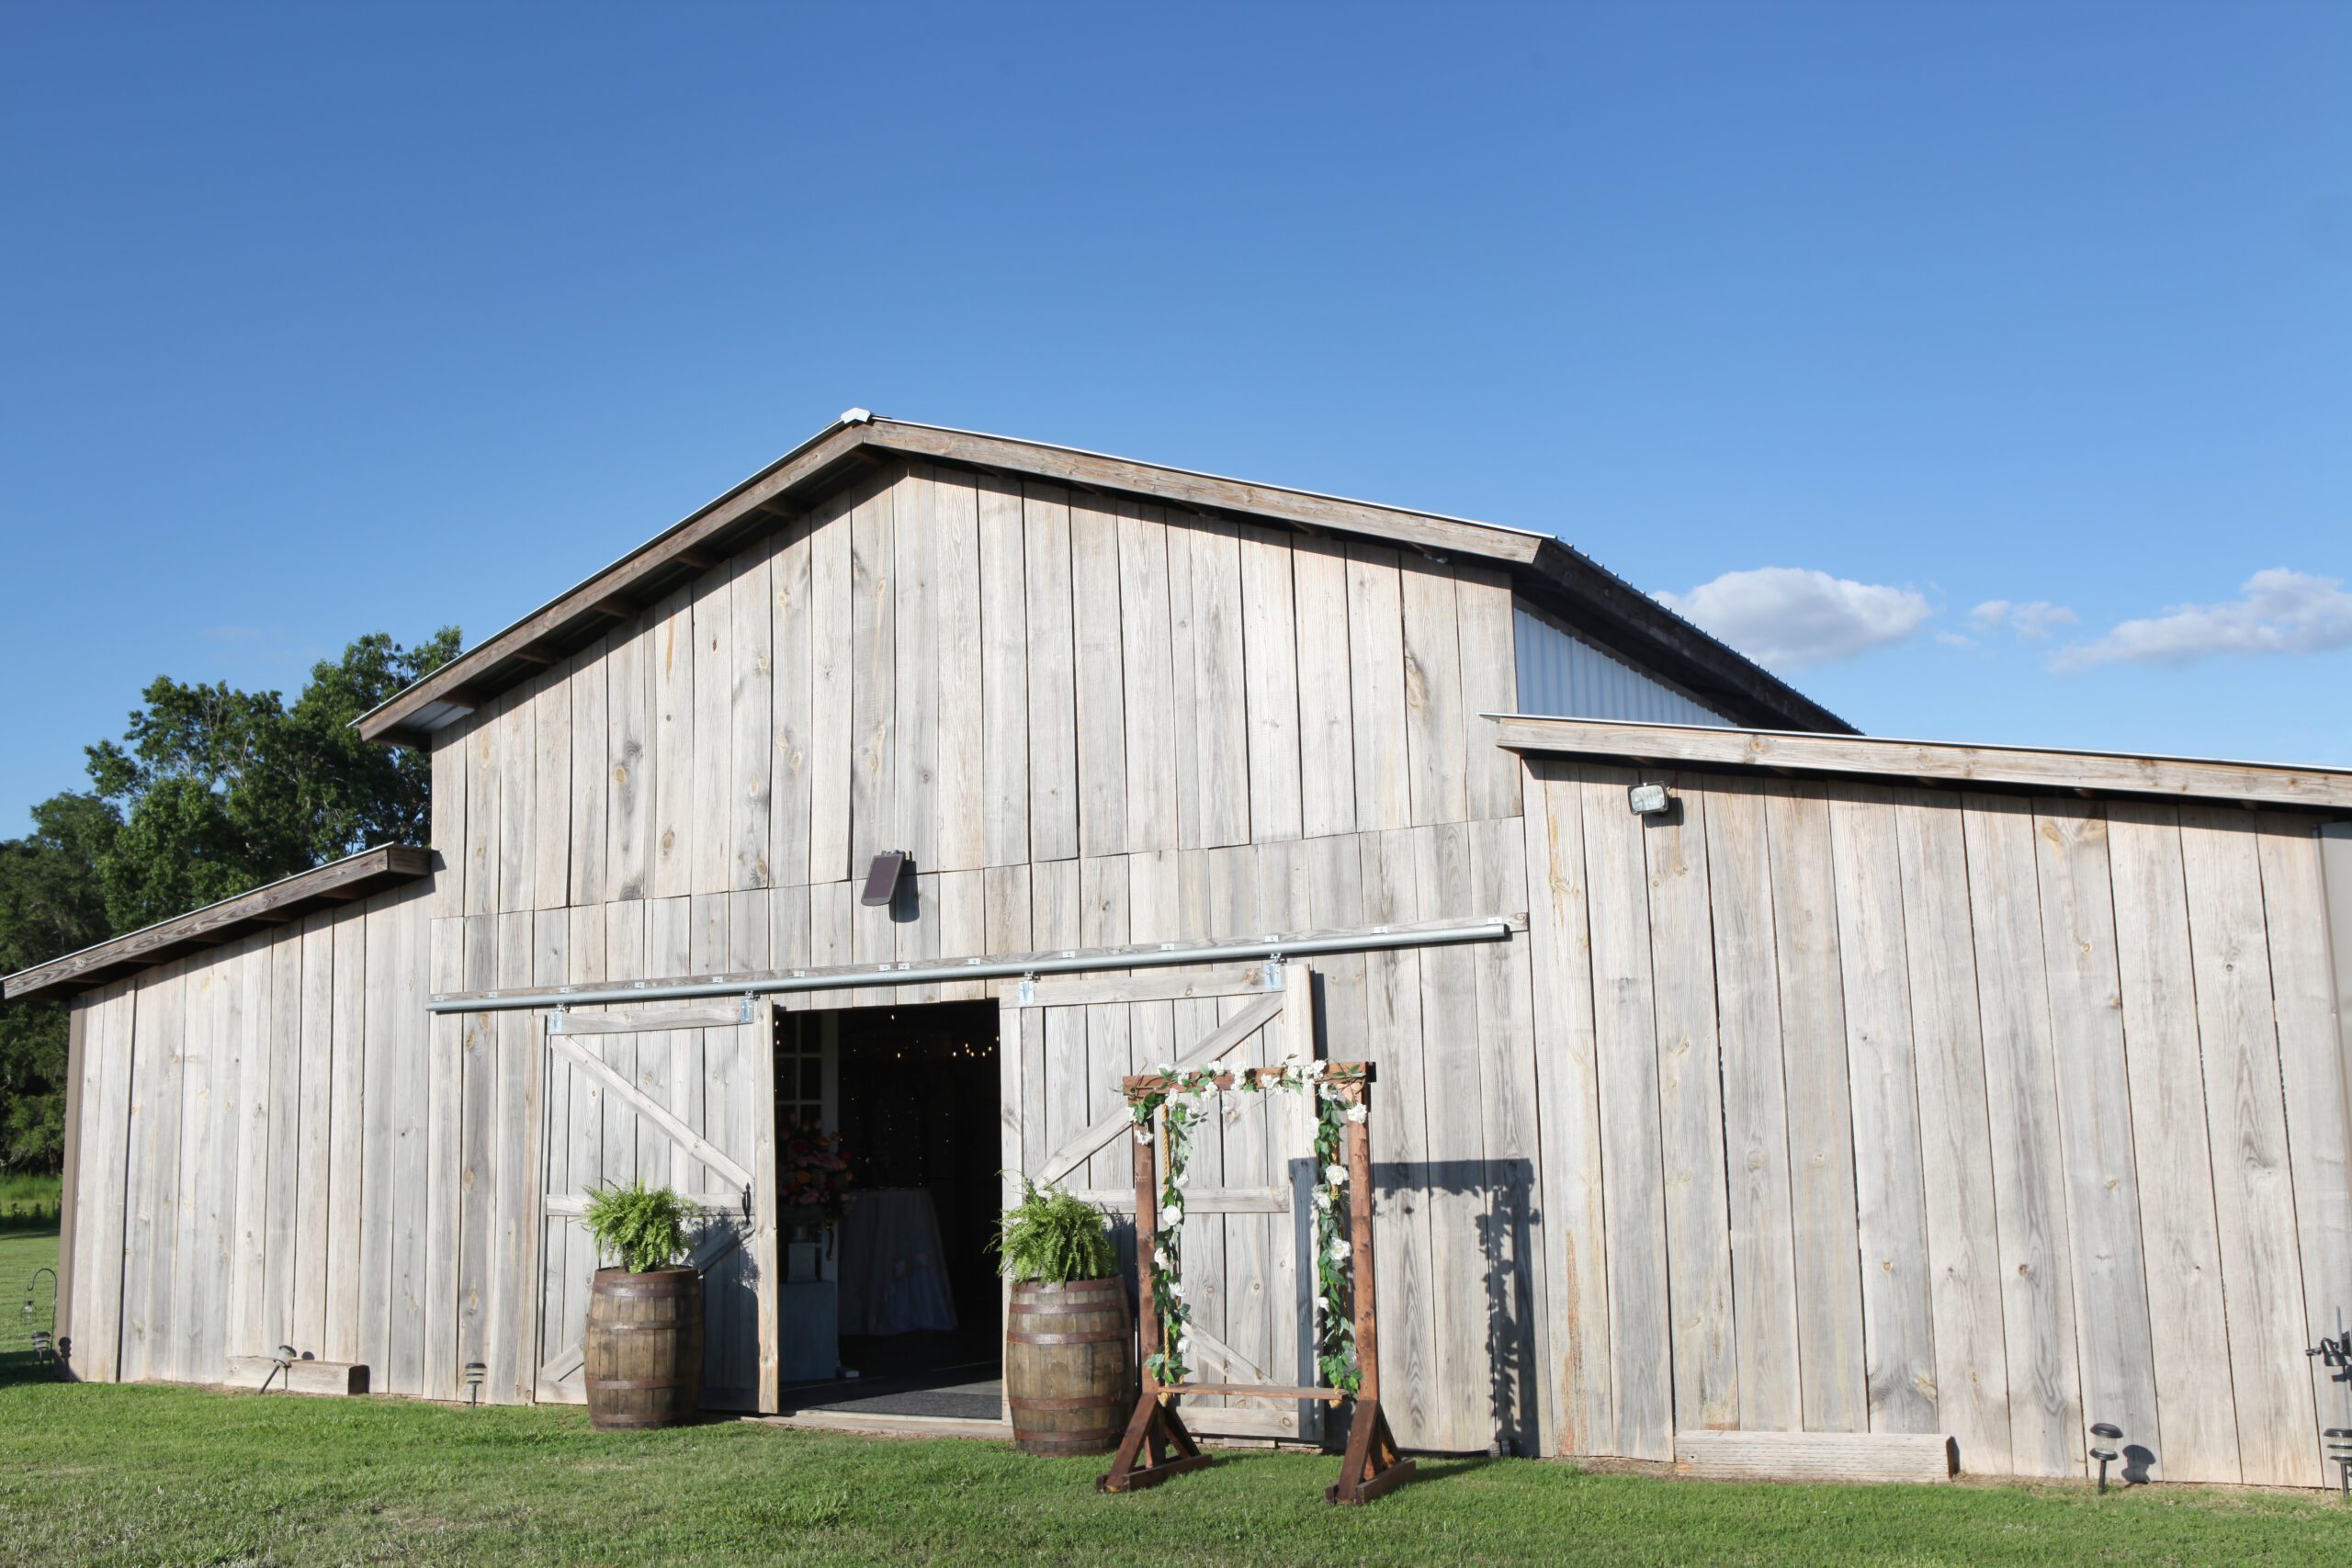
732	1153
1244	1239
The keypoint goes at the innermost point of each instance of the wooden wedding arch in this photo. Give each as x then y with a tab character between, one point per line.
1157	1445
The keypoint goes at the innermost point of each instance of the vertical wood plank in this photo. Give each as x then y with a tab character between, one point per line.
1270	643
1183	674
445	1167
552	789
960	832
109	1091
481	743
1898	1345
2307	908
1052	697
1489	684
1335	902
150	1230
1514	1244
1376	680
2111	1282
751	704
477	1130
1568	1115
1146	666
2187	1319
1395	1031
675	805
1462	1405
1101	700
1004	672
1220	697
256	1114
510	1298
2046	1422
710	864
1691	1116
1435	759
2254	1199
308	1329
1956	1137
411	1131
346	1154
1326	707
1756	1128
518	794
591	774
450	758
381	1008
1633	1160
630	741
792	711
914	760
833	722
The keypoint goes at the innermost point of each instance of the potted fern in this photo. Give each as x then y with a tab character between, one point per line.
1069	1354
642	1348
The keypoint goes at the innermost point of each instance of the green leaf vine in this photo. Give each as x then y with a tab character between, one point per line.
1176	1107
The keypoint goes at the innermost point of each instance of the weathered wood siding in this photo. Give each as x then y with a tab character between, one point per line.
986	674
1878	1109
1091	722
254	1171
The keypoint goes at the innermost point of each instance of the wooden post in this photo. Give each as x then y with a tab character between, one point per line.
1147	1237
1367	1315
1155	1444
1373	1463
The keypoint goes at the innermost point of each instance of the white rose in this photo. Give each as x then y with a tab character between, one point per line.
1338	1250
1322	1197
1172	1216
1336	1175
1358	1112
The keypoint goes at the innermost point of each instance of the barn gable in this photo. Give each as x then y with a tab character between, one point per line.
1602	609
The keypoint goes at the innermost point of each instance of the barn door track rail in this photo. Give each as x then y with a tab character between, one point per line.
1270	950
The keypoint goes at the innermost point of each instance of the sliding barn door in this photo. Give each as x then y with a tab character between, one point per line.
1066	1044
684	1098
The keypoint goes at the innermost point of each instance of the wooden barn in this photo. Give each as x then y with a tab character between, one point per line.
1853	1086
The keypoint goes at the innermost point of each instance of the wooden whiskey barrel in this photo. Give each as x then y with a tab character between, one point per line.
643	1350
1069	1367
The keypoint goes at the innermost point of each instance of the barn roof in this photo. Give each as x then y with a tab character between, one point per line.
1931	761
273	904
1595	599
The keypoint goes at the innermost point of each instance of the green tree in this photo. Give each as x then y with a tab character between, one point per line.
222	790
50	903
211	791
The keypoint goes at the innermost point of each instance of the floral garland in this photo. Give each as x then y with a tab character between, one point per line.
1335	1334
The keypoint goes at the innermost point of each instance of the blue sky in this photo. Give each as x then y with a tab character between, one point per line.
1839	323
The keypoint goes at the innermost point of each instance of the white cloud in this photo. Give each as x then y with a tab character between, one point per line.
2276	611
2031	620
1788	617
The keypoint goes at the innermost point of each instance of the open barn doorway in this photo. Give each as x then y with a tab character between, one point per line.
902	1317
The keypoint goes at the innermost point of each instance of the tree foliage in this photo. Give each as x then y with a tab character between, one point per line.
210	791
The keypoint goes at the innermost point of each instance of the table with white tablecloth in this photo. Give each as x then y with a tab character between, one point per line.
893	1270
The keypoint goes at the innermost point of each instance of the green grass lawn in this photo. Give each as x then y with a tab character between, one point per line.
164	1475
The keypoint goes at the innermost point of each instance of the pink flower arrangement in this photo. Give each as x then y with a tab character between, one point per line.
813	1173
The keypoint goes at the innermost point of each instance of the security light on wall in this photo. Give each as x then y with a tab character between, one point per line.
882	877
1648	799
